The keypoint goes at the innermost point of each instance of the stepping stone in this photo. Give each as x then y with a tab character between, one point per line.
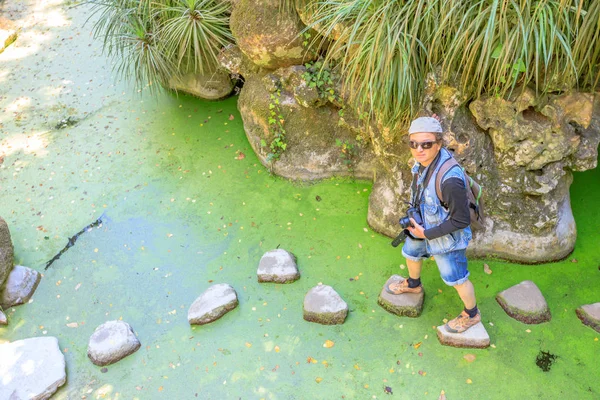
6	252
3	319
323	305
32	368
524	302
475	337
278	266
19	286
215	302
111	342
589	314
405	304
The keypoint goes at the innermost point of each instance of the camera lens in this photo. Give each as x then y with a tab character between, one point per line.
404	222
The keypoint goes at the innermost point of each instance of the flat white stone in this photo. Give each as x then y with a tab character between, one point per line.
277	266
19	286
31	368
211	305
322	304
405	304
474	337
111	342
525	302
589	314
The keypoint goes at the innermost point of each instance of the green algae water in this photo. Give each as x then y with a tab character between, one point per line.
185	204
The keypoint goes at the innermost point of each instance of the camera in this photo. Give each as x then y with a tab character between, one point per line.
414	213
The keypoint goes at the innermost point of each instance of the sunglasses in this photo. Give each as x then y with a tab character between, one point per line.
424	145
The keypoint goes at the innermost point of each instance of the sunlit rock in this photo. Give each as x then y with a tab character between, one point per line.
211	305
6	252
405	304
525	302
278	266
589	314
32	368
474	337
19	287
322	304
111	342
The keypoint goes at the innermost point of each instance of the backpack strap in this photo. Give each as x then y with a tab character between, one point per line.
446	166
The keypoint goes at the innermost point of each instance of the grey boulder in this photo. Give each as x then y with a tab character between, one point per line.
474	337
525	302
211	305
19	287
589	314
322	304
277	266
6	251
31	369
405	304
111	342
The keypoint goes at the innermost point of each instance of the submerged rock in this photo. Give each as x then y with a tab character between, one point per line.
589	314
474	337
525	302
211	305
6	252
111	342
215	85
278	266
3	319
32	368
19	286
405	304
323	305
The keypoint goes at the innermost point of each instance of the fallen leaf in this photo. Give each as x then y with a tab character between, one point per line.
486	269
328	344
469	381
240	156
73	325
528	330
311	360
422	373
356	366
442	396
318	379
160	389
277	349
231	117
248	344
470	357
416	346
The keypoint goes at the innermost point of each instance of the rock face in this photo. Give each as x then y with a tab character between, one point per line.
524	302
3	319
314	135
111	342
278	266
404	305
323	305
31	369
589	314
474	337
215	302
269	34
19	286
6	252
213	86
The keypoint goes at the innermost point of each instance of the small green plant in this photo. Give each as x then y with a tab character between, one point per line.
348	152
276	127
319	76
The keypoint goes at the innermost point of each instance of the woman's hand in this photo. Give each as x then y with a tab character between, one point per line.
416	230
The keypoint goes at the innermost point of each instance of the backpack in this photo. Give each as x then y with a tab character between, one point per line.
473	194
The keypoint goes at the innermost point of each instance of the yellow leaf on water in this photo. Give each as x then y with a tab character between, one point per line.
318	379
356	366
73	325
160	389
469	357
486	269
416	346
248	344
328	344
469	381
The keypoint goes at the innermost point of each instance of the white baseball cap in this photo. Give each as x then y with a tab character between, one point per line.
425	124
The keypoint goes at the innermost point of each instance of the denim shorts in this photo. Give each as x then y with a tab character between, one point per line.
452	265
